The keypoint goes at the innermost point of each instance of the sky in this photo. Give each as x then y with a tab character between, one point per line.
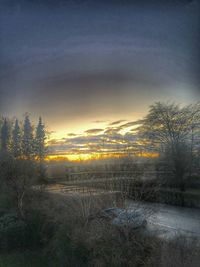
84	64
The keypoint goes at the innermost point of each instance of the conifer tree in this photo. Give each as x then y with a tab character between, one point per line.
16	142
40	149
1	123
5	136
40	140
27	139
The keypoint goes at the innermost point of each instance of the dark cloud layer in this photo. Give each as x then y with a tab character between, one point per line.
68	60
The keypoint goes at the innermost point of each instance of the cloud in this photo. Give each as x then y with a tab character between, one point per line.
68	69
93	131
96	141
100	140
111	130
131	123
116	122
71	134
100	121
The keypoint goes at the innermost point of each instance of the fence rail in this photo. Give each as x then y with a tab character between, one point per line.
110	174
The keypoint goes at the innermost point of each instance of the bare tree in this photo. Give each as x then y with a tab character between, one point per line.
170	130
18	175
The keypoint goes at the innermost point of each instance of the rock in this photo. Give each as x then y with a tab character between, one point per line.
130	218
112	212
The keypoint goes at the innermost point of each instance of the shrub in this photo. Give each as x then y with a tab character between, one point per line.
39	228
12	232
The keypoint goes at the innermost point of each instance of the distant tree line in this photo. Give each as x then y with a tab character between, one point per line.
22	139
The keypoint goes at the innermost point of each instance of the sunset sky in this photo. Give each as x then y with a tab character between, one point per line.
90	67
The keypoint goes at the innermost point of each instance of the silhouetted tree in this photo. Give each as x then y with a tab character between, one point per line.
169	129
27	139
1	123
16	142
40	149
40	140
5	136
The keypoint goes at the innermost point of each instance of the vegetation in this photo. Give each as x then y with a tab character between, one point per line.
175	133
41	228
79	239
20	140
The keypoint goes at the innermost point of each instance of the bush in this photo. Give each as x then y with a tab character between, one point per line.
17	176
12	232
99	243
39	228
34	231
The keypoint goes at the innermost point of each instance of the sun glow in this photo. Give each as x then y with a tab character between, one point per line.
81	157
97	140
96	156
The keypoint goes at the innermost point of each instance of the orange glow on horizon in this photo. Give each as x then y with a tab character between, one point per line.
96	156
82	152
